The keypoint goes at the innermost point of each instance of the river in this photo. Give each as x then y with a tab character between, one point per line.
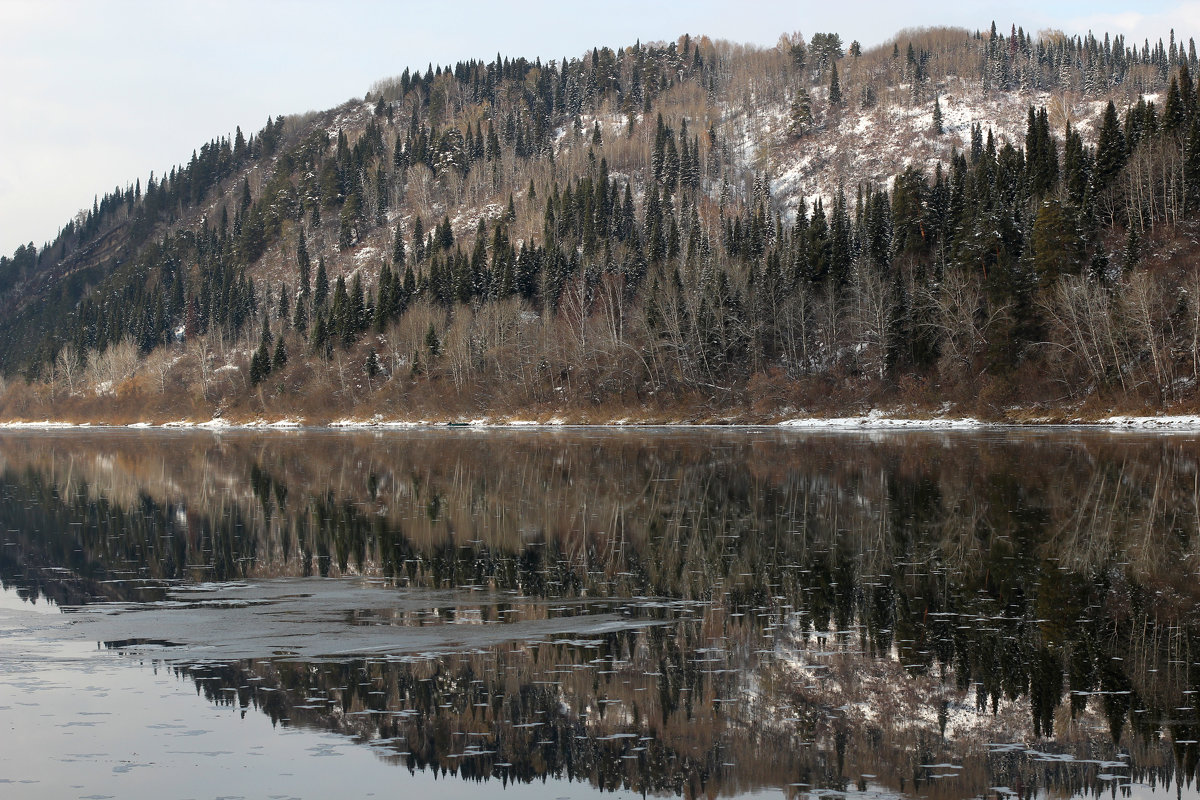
557	613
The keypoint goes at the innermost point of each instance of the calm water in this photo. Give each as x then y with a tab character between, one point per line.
557	614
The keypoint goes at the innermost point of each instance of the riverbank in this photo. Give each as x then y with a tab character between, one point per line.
875	420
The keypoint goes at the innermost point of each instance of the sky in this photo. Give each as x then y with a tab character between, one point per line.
94	95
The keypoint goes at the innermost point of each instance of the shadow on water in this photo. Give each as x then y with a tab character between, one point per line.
944	615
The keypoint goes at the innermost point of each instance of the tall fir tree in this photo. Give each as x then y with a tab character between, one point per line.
321	290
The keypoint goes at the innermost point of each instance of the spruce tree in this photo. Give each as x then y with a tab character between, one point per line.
801	118
279	359
357	314
432	343
260	362
418	241
321	292
938	128
1133	247
1173	110
398	248
1191	166
835	88
319	341
304	264
381	196
1110	148
300	317
409	285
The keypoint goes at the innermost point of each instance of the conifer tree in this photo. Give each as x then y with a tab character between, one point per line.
1173	110
1191	166
432	343
357	314
381	196
321	289
319	341
260	362
835	88
418	241
398	247
303	264
938	128
1110	147
300	317
1133	247
279	359
800	115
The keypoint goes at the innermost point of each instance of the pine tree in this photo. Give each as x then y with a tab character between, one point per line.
938	128
835	88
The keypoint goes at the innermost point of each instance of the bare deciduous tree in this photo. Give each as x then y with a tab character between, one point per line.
201	351
870	320
107	369
70	366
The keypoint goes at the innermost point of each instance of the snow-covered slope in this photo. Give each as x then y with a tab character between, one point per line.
850	146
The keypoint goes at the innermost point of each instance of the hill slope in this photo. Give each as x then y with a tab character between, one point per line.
692	229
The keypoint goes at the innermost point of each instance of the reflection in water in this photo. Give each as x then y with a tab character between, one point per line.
927	614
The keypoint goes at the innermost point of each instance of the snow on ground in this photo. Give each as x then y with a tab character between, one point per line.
43	424
365	254
871	146
872	421
877	419
1181	422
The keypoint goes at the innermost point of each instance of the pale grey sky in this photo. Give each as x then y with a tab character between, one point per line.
97	94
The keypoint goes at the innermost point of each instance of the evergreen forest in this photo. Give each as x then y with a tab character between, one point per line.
669	231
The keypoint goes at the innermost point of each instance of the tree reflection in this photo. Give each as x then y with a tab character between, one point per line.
820	612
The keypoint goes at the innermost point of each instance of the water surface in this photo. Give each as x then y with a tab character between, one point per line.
703	612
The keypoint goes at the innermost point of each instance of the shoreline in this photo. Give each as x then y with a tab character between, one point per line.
873	421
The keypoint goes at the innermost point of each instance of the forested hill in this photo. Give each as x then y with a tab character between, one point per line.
688	230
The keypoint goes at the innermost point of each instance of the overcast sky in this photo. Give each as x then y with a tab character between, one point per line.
96	94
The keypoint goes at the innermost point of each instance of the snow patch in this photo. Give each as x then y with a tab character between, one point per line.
1180	422
43	424
876	419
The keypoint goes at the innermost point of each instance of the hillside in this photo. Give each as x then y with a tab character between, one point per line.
984	221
